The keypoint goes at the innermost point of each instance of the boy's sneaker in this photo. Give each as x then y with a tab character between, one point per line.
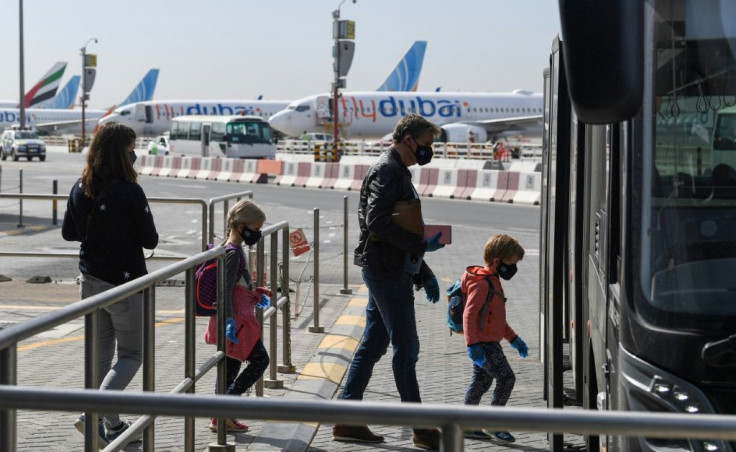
477	434
426	439
231	425
503	437
114	432
358	433
79	425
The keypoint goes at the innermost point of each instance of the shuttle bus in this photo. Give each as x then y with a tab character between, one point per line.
638	217
221	136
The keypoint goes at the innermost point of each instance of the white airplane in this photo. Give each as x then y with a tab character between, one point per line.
45	89
372	115
154	118
65	121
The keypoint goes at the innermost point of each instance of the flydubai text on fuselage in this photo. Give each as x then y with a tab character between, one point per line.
154	117
37	116
374	114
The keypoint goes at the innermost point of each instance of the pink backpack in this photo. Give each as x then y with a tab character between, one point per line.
206	282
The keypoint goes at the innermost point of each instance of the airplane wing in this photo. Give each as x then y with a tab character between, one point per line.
520	123
70	127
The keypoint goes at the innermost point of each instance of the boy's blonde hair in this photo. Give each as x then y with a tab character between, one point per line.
244	212
502	246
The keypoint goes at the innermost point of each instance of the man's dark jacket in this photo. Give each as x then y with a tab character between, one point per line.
383	244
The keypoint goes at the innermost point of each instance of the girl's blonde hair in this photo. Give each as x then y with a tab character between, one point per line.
244	212
502	246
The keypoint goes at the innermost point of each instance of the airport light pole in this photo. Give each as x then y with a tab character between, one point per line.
22	104
338	82
85	89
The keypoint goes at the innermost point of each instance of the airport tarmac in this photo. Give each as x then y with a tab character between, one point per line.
321	359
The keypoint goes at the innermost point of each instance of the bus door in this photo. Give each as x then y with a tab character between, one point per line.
206	140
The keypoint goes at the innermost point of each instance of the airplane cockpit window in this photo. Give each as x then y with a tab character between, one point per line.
301	108
125	112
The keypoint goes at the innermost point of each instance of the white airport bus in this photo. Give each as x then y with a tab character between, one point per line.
224	136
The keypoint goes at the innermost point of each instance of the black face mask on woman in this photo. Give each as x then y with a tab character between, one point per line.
506	271
132	157
250	237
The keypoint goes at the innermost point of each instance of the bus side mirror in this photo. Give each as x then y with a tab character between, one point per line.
603	53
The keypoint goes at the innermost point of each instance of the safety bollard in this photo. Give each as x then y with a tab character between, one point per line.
345	289
54	203
316	328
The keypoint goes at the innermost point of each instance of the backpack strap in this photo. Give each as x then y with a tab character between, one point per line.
487	304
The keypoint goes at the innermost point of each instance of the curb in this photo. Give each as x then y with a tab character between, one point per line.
319	379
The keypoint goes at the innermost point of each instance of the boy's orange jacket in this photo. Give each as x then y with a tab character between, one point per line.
495	328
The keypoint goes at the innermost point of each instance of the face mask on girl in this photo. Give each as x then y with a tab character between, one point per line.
250	237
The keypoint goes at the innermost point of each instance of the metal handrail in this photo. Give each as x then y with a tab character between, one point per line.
452	419
225	199
52	197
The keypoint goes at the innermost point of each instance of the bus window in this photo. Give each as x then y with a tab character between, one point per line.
218	132
195	132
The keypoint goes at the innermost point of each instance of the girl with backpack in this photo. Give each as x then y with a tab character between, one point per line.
242	331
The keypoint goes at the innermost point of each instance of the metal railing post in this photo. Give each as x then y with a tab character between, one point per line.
149	356
345	289
205	212
452	438
211	223
260	257
8	376
91	374
190	330
273	382
316	328
222	365
286	366
225	209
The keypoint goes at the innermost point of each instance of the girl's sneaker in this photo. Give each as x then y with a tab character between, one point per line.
115	432
477	434
79	425
504	437
232	425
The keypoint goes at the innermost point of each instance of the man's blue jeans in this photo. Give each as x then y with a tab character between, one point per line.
389	318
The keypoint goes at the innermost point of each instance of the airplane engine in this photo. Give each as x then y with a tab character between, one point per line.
460	133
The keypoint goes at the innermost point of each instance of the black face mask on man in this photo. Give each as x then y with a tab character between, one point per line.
506	271
423	154
250	237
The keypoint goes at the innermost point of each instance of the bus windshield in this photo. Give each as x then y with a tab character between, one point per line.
249	132
689	208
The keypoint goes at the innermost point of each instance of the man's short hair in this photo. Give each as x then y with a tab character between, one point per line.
415	126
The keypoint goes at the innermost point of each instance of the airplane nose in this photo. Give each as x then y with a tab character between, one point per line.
281	121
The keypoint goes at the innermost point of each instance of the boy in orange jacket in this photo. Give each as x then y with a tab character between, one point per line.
484	325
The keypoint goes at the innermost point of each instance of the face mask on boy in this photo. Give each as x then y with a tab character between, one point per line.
506	271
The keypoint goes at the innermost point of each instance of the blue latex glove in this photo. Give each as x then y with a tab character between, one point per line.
477	355
231	331
433	243
519	344
265	302
432	289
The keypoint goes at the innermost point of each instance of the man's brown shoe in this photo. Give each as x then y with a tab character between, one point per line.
359	433
427	439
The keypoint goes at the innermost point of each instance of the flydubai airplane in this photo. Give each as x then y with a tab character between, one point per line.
67	121
43	90
373	115
154	117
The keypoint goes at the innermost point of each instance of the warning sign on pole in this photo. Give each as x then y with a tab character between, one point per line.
298	242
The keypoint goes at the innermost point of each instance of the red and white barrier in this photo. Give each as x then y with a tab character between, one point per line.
204	169
331	175
446	184
226	171
512	186
316	175
192	169
345	177
358	176
486	186
172	168
151	163
289	175
530	189
427	181
304	169
216	167
251	174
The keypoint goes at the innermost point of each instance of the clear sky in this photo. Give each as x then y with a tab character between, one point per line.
281	49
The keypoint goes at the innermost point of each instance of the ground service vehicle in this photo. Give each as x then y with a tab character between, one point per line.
16	143
224	136
638	218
